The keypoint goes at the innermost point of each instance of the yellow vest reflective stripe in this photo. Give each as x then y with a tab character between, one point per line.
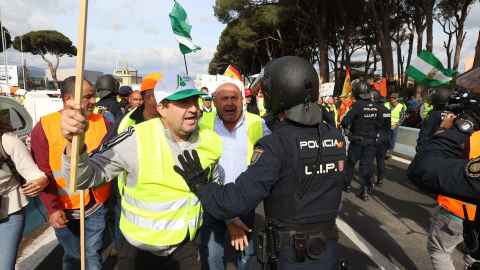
124	124
254	128
160	210
427	109
335	112
395	112
261	108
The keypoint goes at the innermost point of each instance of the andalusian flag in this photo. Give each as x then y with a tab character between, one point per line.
181	29
428	70
347	87
231	72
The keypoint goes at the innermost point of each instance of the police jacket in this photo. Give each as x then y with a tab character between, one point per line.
364	117
279	169
112	106
436	167
430	124
385	128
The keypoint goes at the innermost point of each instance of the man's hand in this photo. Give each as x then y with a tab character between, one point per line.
448	121
237	231
193	173
73	123
34	187
58	220
394	127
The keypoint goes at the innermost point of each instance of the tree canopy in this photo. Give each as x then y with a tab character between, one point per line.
47	42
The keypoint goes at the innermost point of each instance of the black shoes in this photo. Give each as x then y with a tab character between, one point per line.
347	187
379	182
363	194
371	186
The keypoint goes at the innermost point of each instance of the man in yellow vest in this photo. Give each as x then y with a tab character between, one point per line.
62	206
239	132
398	116
160	215
146	111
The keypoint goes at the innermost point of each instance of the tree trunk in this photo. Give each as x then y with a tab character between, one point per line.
476	60
53	70
409	57
429	23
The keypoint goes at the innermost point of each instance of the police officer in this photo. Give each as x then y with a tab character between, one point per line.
302	194
365	120
440	97
107	90
382	140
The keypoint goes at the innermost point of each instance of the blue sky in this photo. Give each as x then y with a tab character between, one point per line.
139	31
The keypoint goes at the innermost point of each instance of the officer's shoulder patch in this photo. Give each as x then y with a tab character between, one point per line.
256	155
473	168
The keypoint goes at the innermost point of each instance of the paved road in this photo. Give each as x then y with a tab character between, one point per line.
387	232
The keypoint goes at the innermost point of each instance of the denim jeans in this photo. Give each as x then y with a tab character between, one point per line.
11	229
213	239
393	138
69	237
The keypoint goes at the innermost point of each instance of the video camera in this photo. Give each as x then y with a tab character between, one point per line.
467	92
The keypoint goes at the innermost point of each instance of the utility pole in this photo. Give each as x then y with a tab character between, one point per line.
24	68
4	47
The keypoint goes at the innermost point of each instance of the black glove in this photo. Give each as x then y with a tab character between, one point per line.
193	173
471	231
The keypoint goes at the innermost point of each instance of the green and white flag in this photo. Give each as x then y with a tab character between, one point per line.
181	29
428	70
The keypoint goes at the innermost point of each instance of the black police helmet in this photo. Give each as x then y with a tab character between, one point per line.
440	95
288	81
360	90
105	85
377	97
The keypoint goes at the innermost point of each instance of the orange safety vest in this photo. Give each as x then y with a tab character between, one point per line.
56	142
455	206
382	87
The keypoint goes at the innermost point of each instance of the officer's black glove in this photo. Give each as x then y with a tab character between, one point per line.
471	231
193	173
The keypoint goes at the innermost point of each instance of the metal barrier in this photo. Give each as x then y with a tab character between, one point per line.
406	142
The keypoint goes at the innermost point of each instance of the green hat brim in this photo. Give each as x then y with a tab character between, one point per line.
185	94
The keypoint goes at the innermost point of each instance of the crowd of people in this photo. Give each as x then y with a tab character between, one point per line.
177	168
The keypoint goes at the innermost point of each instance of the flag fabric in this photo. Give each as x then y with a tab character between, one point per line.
347	87
231	72
344	107
181	29
428	70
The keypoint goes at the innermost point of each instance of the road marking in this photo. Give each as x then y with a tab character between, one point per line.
401	159
364	246
34	254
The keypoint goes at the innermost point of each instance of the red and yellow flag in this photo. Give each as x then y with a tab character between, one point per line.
347	86
231	72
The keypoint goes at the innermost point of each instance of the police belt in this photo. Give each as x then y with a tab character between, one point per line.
286	234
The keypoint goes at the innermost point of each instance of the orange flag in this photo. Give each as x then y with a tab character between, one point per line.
233	73
347	86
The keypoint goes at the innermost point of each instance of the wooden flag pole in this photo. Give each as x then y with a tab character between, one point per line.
82	32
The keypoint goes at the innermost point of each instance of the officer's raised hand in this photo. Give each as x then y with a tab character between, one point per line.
192	172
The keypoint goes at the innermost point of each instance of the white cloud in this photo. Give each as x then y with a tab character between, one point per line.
117	23
206	16
151	29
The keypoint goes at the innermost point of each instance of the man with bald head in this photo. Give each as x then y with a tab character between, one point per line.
135	99
239	131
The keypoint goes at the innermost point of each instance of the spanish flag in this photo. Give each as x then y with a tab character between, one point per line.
347	86
231	72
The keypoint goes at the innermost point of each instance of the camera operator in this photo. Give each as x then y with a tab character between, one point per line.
434	117
302	195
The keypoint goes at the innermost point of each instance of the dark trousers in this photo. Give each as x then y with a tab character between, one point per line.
381	147
365	152
185	257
